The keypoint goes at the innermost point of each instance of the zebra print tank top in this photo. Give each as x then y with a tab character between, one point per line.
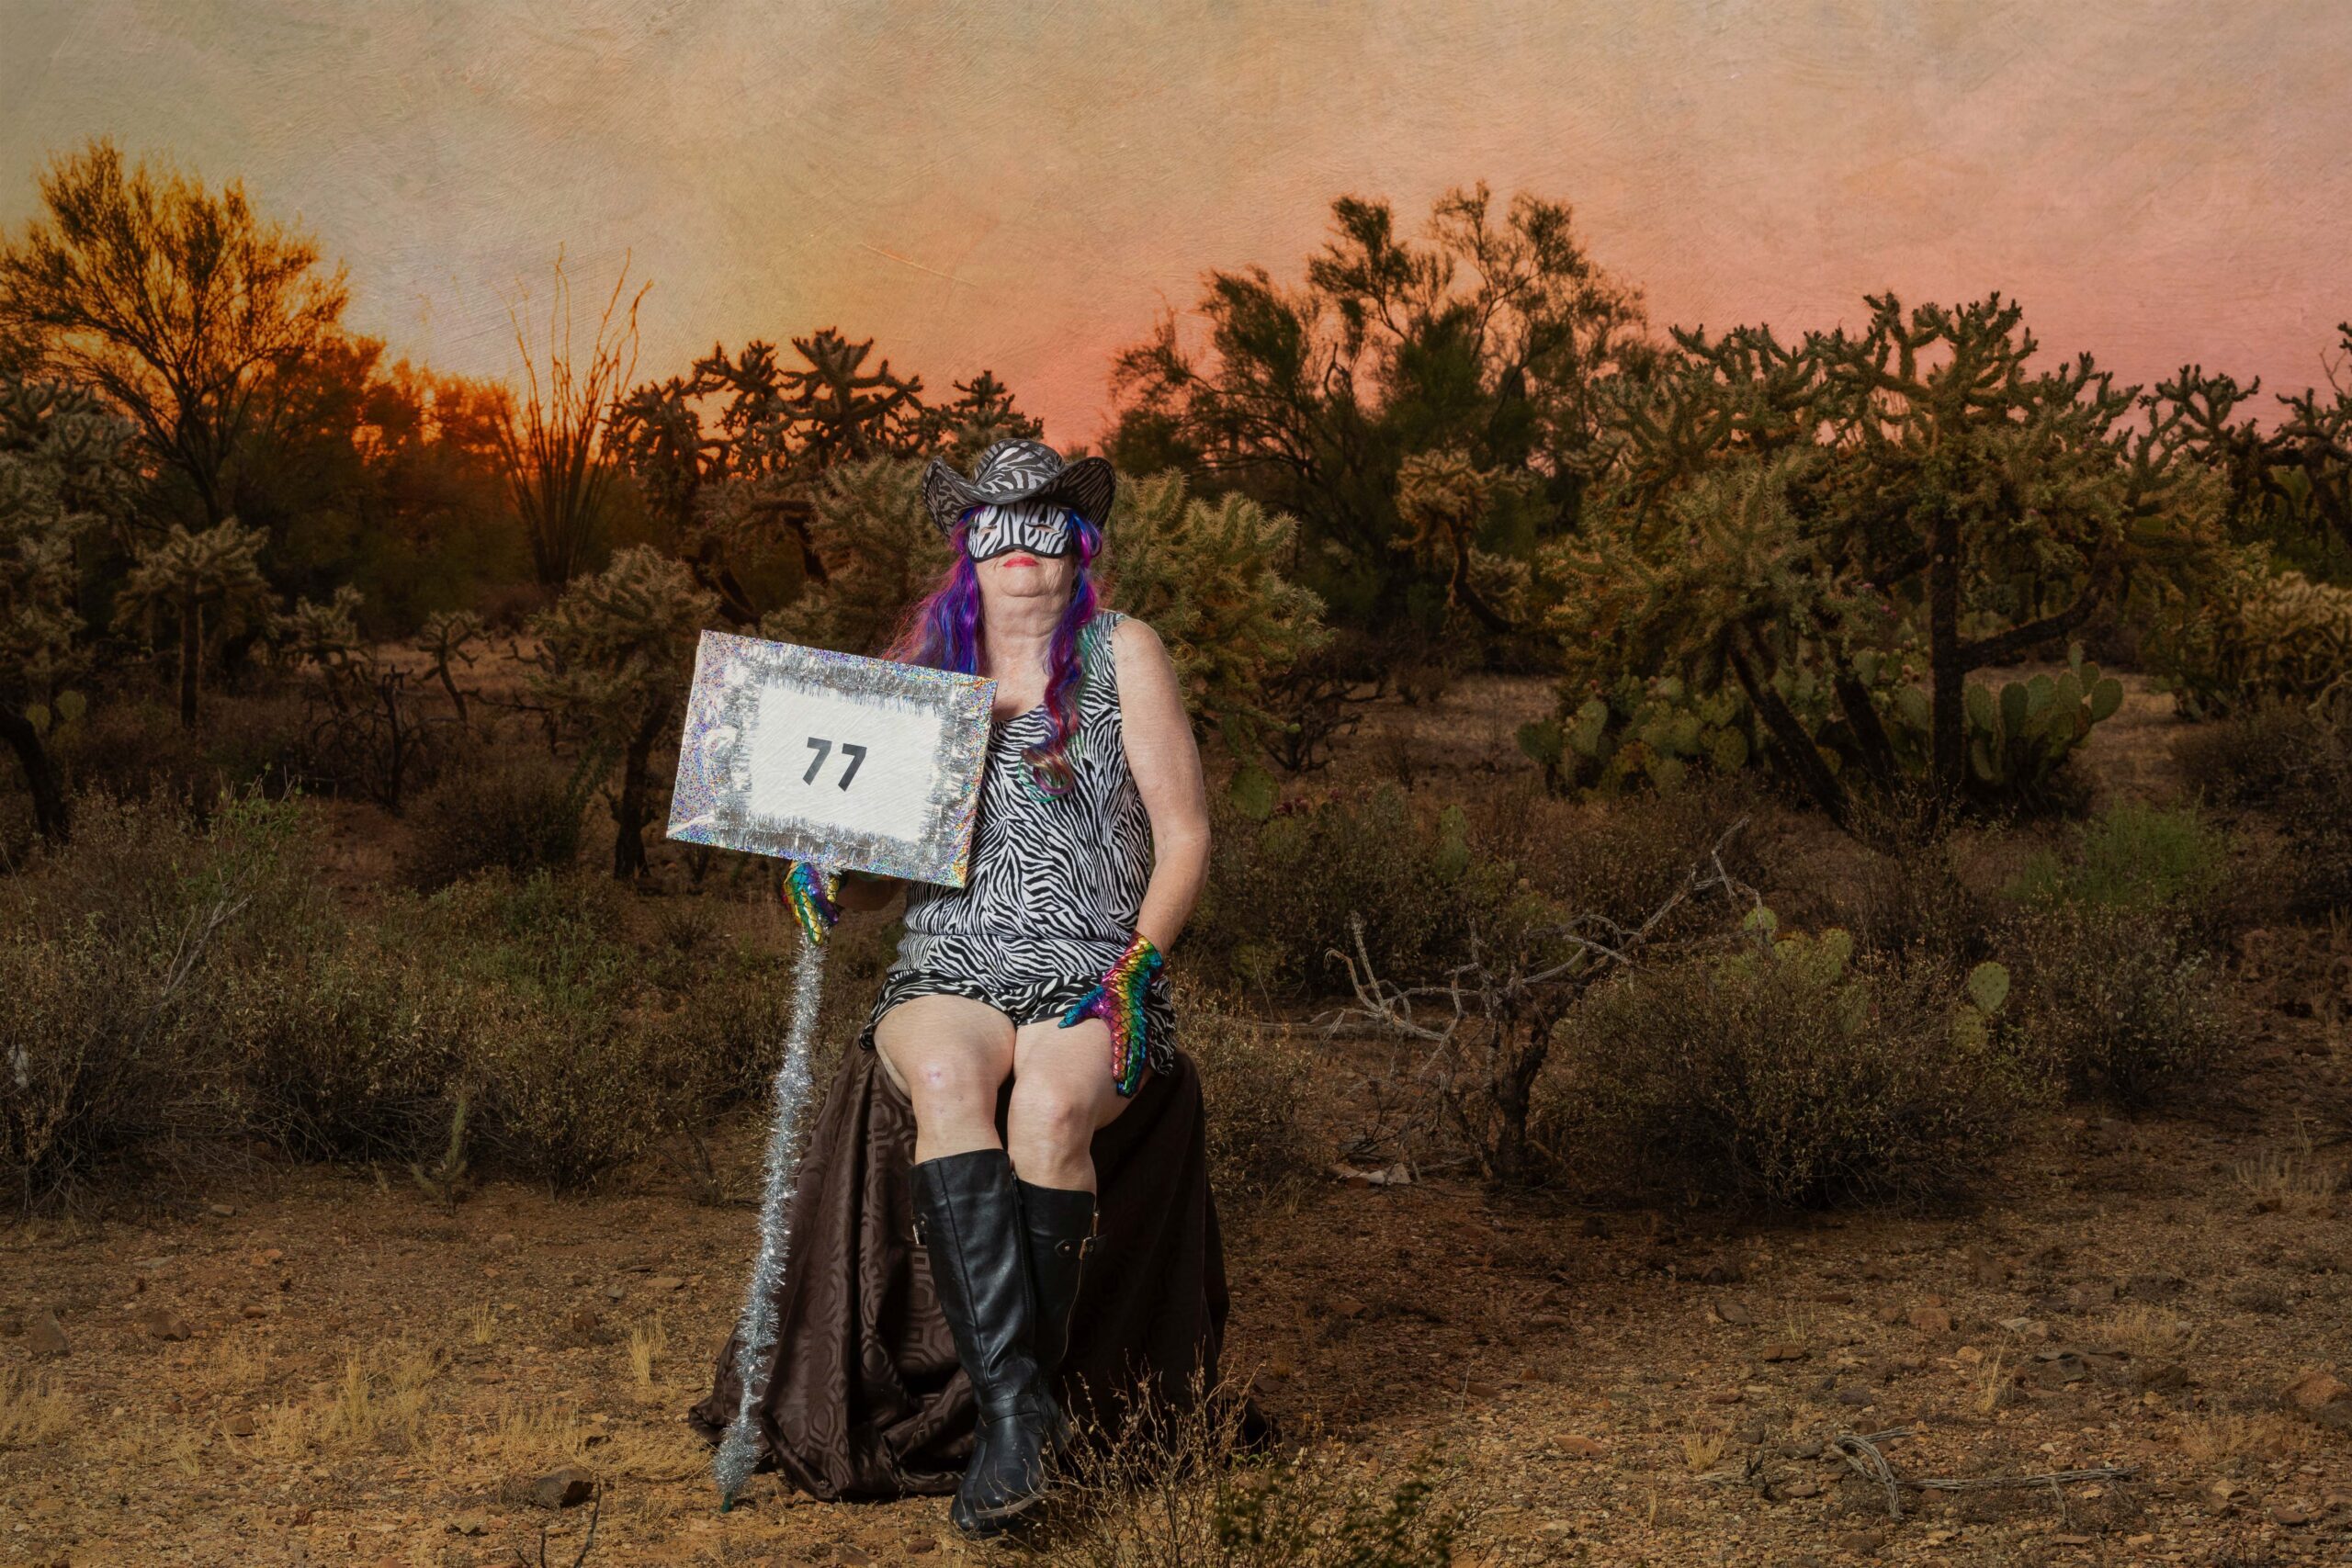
1048	872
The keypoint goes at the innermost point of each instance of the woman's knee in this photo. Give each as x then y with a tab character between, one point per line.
1046	1113
946	1086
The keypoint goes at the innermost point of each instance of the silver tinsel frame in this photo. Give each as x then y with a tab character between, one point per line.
738	1451
736	676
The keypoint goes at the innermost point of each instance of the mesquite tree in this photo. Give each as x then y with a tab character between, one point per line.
177	304
1497	338
64	472
617	651
208	584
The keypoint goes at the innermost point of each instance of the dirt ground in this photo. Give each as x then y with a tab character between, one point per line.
298	1366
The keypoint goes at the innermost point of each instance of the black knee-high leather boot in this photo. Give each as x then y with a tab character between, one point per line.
968	1217
1059	1222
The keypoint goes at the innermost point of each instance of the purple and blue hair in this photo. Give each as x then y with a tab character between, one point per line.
943	631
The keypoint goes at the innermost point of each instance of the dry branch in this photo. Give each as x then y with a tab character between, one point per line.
1862	1454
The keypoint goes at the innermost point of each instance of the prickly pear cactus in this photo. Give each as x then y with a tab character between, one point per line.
1654	732
1988	992
2020	734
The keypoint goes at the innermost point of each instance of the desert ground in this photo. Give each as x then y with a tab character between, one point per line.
2125	1351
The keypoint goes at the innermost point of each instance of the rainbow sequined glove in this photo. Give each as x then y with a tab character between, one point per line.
1117	1000
809	888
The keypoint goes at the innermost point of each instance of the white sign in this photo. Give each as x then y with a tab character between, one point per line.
860	764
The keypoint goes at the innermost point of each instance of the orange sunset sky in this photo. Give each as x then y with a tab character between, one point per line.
1023	187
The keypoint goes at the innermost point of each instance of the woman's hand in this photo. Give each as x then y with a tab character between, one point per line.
862	891
808	890
1117	1000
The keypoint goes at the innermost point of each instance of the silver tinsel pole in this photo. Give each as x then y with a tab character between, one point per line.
738	1451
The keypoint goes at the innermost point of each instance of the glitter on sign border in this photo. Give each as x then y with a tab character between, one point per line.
708	804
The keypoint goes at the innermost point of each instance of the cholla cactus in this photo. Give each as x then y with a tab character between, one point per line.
189	575
2257	633
881	554
1444	498
328	636
447	639
1203	575
64	468
617	650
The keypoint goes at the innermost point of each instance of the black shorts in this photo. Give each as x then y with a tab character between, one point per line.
1029	983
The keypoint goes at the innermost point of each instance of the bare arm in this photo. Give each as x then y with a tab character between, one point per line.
1165	763
861	891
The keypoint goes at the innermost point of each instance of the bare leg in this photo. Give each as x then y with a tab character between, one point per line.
1062	1095
950	1056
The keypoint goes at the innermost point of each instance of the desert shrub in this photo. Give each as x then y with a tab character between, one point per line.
2115	1000
1623	859
1922	901
567	1096
1280	891
135	748
1798	1075
514	811
2132	856
565	1076
734	1004
164	983
1260	1143
552	940
343	1048
112	953
2294	761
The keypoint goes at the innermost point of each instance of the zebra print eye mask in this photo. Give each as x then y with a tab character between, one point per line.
1041	529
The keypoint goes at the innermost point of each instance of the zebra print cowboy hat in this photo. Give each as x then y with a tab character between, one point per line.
1017	469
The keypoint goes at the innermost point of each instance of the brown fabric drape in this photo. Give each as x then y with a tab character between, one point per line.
864	1397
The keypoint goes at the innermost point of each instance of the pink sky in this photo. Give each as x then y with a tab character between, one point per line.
1022	186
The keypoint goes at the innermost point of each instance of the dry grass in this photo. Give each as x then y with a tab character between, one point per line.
665	1453
1994	1382
286	1431
385	1405
482	1324
1702	1449
1171	1486
2145	1334
154	1442
238	1364
33	1410
2209	1440
2294	1180
648	1341
535	1433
